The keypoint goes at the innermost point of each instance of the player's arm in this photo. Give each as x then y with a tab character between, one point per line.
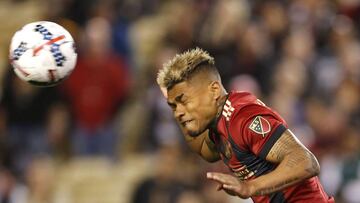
295	164
203	146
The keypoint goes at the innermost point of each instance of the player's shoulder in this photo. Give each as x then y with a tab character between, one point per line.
239	100
242	105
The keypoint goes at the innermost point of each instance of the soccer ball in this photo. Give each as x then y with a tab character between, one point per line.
42	53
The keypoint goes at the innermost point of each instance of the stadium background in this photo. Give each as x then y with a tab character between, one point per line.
106	135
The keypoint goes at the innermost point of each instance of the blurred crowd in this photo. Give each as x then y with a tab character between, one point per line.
301	57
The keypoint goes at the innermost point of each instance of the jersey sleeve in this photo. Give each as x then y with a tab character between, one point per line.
256	128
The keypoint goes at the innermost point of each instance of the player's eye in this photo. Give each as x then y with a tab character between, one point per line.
184	100
172	106
187	101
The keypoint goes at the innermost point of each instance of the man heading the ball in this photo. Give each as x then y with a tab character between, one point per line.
268	162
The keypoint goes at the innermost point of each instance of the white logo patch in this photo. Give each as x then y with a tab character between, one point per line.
260	126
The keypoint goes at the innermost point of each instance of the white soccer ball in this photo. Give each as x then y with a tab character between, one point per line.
42	53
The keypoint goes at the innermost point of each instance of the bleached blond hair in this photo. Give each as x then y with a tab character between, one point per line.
182	66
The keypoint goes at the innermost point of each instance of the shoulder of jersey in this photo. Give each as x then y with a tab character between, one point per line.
236	101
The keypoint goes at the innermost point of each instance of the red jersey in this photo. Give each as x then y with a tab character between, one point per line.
244	135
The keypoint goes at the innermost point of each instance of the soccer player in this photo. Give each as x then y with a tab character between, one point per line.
269	164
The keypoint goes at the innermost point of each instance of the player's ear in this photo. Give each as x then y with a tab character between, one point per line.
215	89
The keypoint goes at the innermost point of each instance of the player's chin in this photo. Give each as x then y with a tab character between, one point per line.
194	132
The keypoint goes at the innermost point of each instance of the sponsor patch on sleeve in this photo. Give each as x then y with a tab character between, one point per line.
260	126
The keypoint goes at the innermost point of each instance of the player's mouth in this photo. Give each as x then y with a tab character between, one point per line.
185	123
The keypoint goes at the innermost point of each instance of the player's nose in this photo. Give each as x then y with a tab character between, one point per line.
179	113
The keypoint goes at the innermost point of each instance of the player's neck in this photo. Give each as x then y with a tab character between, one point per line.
220	106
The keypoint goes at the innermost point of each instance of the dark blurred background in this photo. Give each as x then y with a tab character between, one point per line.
106	135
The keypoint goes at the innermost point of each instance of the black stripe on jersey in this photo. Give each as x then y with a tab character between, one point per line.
252	162
274	137
277	197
